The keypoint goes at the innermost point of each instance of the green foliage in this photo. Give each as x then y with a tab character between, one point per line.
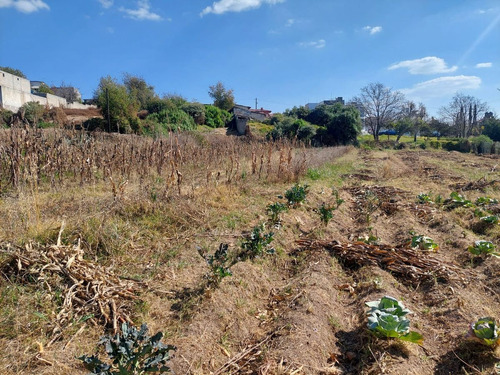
291	128
326	213
424	198
339	124
223	98
216	117
274	210
44	89
296	195
300	112
424	243
457	200
122	110
490	219
196	111
491	128
313	174
486	331
257	243
387	318
485	201
483	247
171	119
16	72
32	112
139	92
218	263
6	117
133	352
481	144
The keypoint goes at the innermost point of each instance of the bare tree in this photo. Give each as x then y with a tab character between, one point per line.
379	105
464	113
415	116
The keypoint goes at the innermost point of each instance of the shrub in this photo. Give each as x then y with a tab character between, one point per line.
172	119
32	112
274	210
6	117
196	111
216	117
482	144
132	352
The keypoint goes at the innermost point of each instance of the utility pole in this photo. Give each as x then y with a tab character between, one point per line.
256	103
107	106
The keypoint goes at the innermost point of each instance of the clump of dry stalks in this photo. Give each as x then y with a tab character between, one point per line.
86	289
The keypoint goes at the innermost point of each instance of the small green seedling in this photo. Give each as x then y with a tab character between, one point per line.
274	210
424	198
424	243
296	195
326	213
336	194
387	318
485	331
257	243
133	352
483	247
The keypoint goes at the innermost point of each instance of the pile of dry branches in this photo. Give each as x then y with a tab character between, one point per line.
86	289
414	266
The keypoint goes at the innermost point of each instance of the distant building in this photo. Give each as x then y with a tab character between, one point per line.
35	85
312	106
242	114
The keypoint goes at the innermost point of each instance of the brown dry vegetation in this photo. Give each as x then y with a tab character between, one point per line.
141	207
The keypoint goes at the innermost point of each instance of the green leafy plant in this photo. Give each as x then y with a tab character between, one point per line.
458	200
424	198
490	219
326	213
218	263
338	200
424	243
484	201
483	247
387	318
133	352
257	243
485	331
296	195
274	210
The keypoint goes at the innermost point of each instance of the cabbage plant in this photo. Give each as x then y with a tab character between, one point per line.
387	318
424	243
484	247
486	331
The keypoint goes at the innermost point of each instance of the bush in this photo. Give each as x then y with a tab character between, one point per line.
482	144
492	129
6	118
32	112
290	127
216	117
196	111
172	119
95	123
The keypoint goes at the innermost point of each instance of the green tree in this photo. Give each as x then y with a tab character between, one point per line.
45	89
440	128
122	111
491	128
216	117
16	72
300	112
380	105
340	124
223	98
402	126
196	111
138	90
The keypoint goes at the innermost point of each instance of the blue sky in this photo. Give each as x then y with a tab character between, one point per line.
283	52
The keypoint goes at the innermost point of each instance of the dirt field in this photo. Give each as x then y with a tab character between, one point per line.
298	311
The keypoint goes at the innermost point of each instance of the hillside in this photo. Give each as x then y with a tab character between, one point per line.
140	211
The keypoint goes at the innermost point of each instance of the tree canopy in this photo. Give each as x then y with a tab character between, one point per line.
464	112
223	98
16	72
340	124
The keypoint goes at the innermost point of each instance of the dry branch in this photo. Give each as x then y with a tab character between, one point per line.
413	266
86	288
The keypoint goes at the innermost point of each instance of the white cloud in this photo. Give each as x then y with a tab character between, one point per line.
373	29
142	12
442	86
315	44
106	3
223	6
484	65
25	6
290	22
425	65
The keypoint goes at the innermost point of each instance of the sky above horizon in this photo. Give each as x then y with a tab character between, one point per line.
285	53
